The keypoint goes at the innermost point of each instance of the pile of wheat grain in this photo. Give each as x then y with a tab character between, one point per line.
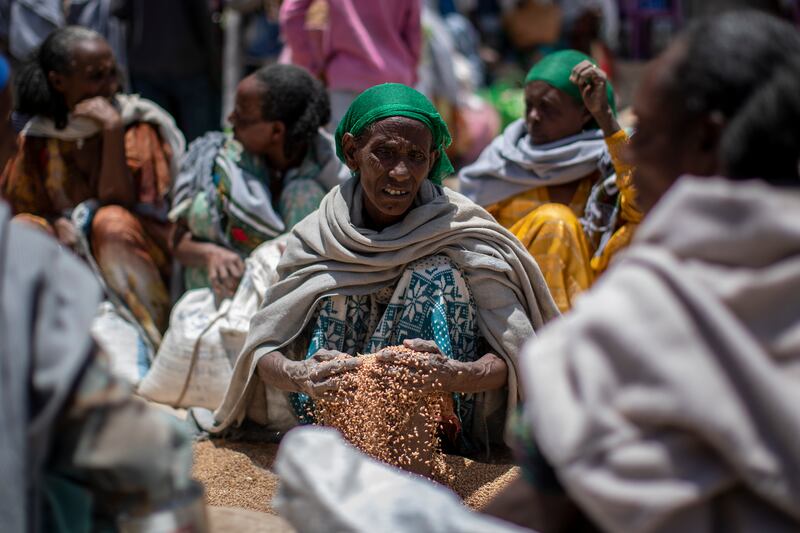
381	411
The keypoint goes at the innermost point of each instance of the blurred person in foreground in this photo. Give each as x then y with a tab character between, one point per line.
78	451
667	399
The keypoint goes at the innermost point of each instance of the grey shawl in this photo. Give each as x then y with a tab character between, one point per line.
331	253
250	194
47	303
667	399
511	164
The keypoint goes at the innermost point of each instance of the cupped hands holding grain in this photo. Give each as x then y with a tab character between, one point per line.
439	373
315	376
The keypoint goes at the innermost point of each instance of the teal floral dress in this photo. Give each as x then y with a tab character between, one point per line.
430	301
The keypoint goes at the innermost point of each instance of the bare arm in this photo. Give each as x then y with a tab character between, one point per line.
115	184
225	267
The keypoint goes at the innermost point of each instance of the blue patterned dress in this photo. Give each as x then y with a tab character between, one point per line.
431	301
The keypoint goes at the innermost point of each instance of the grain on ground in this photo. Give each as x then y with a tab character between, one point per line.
477	483
237	474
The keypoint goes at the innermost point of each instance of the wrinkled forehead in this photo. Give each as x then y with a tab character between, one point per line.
400	129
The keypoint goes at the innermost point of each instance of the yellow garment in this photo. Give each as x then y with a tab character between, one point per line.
553	234
630	216
512	210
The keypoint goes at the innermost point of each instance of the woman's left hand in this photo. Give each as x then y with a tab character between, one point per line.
436	374
442	374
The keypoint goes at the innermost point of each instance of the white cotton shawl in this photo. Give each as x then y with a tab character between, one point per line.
511	164
133	109
667	400
330	253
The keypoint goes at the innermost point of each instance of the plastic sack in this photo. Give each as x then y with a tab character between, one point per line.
128	355
327	485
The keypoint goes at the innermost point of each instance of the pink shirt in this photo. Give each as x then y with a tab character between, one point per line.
367	42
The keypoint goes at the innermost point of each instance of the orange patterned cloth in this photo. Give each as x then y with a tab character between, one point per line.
49	177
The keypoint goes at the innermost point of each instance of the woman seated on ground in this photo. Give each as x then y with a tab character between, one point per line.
392	257
87	142
677	375
538	176
235	193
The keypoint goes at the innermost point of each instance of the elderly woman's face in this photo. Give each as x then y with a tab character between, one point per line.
393	160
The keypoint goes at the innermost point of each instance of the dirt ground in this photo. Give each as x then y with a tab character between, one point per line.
239	475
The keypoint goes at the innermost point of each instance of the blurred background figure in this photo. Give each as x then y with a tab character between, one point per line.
174	59
353	44
24	24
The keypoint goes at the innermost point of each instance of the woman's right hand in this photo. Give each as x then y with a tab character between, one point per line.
225	270
322	372
100	110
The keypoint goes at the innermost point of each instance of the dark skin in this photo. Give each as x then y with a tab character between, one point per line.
8	138
393	161
257	136
667	144
87	88
552	114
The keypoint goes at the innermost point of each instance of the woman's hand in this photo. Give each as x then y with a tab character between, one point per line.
592	82
66	232
225	270
316	376
439	373
100	110
436	373
322	372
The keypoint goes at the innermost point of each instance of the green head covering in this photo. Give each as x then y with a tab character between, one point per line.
397	100
555	69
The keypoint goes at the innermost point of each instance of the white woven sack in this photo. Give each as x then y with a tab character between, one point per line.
128	355
191	368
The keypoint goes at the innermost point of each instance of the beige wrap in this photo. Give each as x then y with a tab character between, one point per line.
331	253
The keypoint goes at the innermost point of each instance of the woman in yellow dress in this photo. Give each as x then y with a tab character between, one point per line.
556	178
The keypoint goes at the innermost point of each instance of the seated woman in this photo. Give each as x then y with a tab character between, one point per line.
538	176
392	257
87	142
235	193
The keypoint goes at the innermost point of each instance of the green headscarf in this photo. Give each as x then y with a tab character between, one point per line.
397	100
555	69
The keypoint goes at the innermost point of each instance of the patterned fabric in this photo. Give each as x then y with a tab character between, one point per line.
629	214
242	231
555	238
431	301
50	177
510	211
